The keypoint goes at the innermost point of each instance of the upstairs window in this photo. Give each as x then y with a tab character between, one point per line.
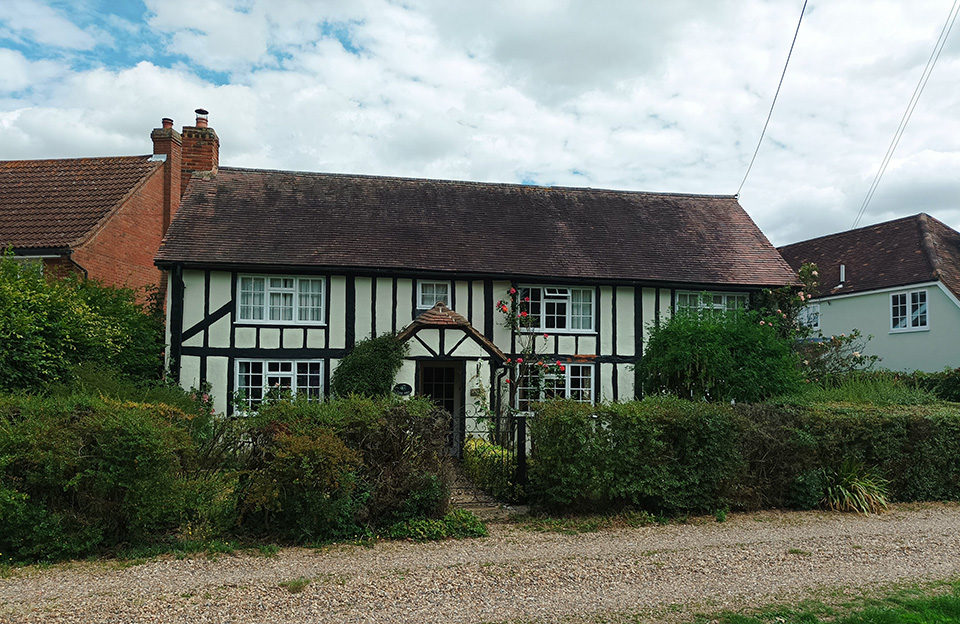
550	308
281	299
431	293
575	382
809	316
710	301
255	378
908	311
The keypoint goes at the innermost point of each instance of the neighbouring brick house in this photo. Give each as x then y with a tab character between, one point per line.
103	216
897	281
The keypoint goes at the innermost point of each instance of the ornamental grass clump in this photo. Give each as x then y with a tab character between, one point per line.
854	487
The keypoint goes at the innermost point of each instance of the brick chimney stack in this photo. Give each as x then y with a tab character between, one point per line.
167	145
201	150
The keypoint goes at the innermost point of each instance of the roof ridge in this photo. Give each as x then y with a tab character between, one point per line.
75	158
368	176
849	232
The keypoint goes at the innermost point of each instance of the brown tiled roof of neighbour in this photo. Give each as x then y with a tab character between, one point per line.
895	253
442	317
59	203
276	218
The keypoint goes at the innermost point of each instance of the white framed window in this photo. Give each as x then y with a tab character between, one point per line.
281	299
809	316
257	377
908	311
575	382
551	308
716	301
431	293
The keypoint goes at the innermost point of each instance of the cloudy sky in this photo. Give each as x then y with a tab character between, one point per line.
626	94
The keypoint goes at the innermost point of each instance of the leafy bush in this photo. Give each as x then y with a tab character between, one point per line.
659	455
370	368
401	469
830	360
458	524
718	356
79	474
672	456
492	468
945	384
83	474
47	326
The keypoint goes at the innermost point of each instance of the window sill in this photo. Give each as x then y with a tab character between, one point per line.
273	324
560	332
910	330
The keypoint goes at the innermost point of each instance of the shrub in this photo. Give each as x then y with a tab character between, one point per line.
79	474
492	468
398	450
370	368
458	524
675	457
47	326
301	483
662	455
718	356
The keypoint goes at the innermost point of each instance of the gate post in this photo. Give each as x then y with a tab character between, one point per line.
521	475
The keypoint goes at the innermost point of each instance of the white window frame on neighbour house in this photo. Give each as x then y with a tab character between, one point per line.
558	309
909	311
809	316
281	299
717	301
297	376
576	382
428	296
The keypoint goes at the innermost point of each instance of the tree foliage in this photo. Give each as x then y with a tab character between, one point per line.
48	326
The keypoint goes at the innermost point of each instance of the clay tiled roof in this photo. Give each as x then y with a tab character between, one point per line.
275	218
895	253
59	203
442	317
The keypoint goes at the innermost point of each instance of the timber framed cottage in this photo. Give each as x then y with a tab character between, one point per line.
275	275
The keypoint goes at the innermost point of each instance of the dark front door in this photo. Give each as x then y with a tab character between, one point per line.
442	382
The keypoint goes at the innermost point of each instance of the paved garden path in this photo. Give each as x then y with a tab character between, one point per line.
656	571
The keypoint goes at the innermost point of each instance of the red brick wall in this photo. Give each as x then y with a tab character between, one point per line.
122	252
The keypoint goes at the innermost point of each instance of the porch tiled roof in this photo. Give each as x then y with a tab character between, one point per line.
442	317
895	253
279	218
59	203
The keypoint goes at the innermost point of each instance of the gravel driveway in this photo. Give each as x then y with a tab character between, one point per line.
513	574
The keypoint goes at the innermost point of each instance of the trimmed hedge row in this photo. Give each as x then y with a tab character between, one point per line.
81	474
670	456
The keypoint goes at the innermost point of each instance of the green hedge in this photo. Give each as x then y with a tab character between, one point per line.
81	475
493	469
670	456
664	455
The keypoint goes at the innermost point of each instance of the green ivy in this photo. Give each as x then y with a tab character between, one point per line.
370	368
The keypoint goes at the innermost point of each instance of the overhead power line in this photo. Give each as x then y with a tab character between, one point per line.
774	103
931	62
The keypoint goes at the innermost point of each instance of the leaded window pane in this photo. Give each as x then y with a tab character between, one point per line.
898	311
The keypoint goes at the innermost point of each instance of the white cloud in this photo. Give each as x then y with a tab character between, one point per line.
645	96
32	20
